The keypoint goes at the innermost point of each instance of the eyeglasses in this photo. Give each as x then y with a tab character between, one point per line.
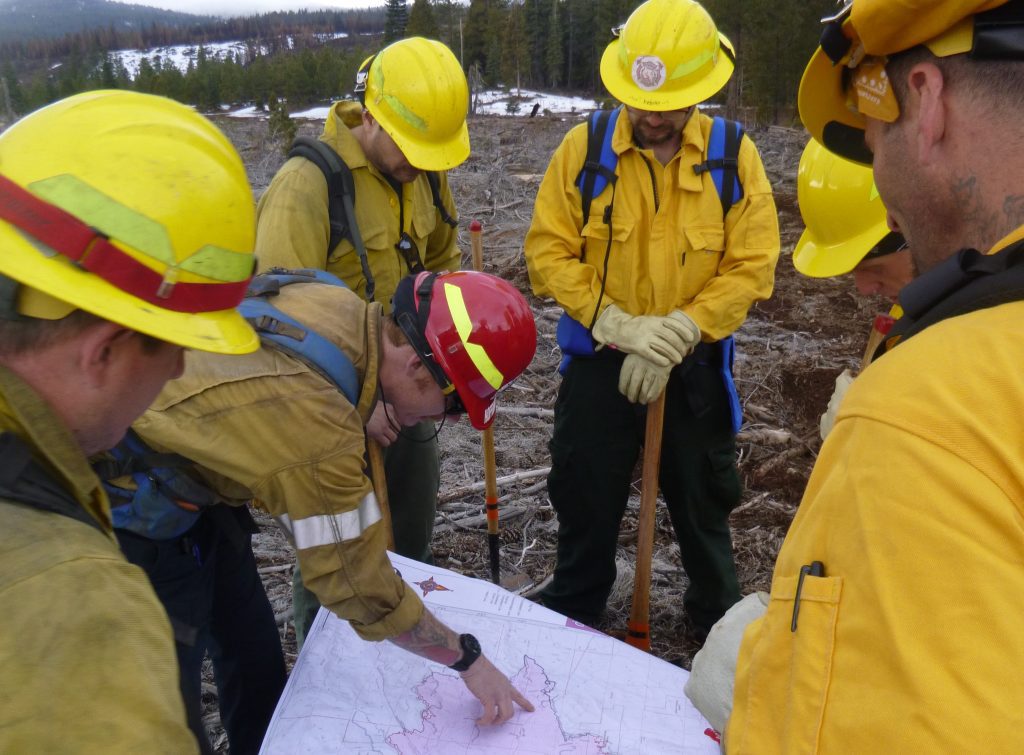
670	115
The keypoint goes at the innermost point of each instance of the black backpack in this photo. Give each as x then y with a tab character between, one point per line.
341	194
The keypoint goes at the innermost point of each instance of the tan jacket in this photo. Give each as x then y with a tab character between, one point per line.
266	425
670	248
293	225
86	651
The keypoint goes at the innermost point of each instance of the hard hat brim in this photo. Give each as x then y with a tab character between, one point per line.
819	260
823	108
432	156
224	331
625	90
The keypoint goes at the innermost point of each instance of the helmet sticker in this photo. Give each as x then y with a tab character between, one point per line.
648	72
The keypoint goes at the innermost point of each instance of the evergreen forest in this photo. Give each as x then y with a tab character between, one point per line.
300	58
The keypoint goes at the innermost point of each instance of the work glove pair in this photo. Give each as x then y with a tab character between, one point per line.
653	346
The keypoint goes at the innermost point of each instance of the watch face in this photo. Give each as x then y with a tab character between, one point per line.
470	652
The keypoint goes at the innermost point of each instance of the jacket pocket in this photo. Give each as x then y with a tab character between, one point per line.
702	249
596	236
790	669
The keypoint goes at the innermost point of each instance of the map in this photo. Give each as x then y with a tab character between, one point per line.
593	694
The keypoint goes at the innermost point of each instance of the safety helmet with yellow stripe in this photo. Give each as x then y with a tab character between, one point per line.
131	207
474	332
668	55
844	216
846	78
417	92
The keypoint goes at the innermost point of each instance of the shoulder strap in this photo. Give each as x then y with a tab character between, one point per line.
341	194
722	159
966	282
25	481
294	337
599	166
435	191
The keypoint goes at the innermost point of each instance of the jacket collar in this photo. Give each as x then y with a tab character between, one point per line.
25	413
691	149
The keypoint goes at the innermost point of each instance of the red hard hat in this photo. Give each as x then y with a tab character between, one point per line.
479	329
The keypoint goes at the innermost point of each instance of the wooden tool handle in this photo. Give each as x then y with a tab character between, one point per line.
879	330
380	487
476	244
638	633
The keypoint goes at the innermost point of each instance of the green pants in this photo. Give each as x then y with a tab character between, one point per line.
413	471
594	449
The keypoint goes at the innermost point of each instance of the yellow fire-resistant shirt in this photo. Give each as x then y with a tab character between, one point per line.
670	248
268	426
86	651
911	642
293	224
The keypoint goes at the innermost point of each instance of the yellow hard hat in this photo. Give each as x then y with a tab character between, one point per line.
416	90
669	55
845	77
842	211
131	207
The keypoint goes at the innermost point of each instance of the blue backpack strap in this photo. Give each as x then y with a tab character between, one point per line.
599	166
722	160
294	337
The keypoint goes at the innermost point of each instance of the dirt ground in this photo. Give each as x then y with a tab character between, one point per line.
789	352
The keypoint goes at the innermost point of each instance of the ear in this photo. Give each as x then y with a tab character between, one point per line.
929	96
101	349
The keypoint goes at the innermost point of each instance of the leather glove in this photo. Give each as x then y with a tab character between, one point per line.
713	673
641	380
828	419
662	340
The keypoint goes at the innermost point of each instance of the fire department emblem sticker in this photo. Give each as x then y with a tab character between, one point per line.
648	72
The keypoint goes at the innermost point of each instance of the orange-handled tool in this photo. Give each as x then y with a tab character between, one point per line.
490	465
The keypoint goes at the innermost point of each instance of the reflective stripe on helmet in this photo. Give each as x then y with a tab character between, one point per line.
91	250
464	326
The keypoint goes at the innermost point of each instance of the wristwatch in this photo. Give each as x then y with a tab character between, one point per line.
470	652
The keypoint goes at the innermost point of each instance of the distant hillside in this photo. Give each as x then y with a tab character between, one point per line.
35	19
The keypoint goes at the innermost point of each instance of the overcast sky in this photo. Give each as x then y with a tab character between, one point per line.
249	7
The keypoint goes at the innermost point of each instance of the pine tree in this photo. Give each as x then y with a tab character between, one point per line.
396	16
422	22
553	57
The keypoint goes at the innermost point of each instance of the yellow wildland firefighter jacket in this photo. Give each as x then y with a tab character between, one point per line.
670	246
910	641
293	224
86	650
268	426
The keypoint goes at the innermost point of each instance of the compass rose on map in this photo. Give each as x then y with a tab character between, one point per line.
429	585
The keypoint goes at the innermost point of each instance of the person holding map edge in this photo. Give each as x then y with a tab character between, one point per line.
659	279
894	618
281	427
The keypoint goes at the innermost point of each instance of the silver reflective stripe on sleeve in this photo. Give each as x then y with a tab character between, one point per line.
328	529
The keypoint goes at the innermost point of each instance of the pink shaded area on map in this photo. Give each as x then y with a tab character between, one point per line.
447	700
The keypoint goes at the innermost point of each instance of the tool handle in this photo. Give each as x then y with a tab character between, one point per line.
638	633
879	330
380	487
476	244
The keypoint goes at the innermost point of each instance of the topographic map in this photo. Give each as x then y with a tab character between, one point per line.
593	694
